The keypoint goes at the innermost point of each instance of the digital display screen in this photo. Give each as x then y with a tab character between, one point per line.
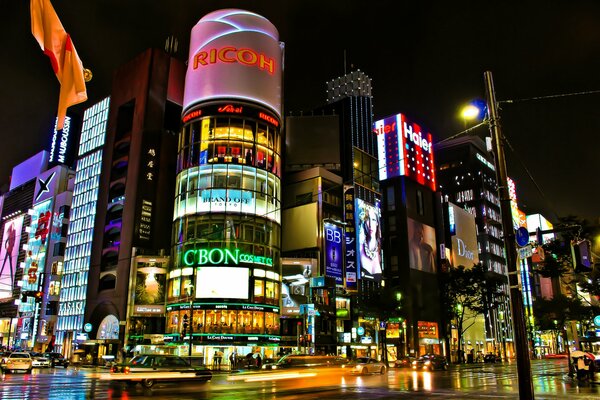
222	283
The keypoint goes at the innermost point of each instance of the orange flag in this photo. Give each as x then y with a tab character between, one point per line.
57	45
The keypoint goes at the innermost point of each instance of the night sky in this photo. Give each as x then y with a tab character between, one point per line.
425	60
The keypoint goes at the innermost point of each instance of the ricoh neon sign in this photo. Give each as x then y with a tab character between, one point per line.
230	55
222	256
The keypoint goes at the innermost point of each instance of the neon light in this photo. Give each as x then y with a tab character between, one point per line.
230	55
222	256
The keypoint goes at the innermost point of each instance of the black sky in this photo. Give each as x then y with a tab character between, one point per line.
426	59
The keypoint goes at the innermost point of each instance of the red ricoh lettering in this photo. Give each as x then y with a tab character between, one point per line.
229	54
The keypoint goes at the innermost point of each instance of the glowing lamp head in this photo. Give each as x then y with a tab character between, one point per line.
470	112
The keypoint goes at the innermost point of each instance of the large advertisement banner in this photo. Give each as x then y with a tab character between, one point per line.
294	287
234	54
9	253
150	289
463	231
351	267
368	226
421	246
333	252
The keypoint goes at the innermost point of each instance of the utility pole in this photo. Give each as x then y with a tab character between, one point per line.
522	350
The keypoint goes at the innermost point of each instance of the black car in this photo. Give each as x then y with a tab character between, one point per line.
430	362
490	358
56	360
151	368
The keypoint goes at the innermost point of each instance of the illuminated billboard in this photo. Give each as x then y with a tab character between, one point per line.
234	54
350	236
294	287
463	232
404	149
333	252
368	227
61	148
222	283
9	253
421	246
150	288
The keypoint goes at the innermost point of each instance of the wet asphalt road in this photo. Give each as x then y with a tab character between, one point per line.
478	381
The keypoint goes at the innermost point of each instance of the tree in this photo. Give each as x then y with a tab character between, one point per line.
466	293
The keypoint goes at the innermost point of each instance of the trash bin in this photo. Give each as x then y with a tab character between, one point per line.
470	358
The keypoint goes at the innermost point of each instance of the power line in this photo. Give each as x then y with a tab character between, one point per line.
552	96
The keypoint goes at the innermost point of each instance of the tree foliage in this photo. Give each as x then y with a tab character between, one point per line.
466	293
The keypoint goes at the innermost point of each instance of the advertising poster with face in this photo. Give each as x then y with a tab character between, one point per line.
9	252
368	228
421	246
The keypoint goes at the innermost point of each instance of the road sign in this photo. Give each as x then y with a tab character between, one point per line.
525	252
522	236
597	320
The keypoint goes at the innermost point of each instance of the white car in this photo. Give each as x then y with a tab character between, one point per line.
18	361
39	361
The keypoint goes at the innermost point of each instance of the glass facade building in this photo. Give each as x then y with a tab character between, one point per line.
80	234
226	231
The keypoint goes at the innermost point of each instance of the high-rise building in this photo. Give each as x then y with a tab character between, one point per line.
337	138
467	178
411	216
128	247
76	264
36	216
223	287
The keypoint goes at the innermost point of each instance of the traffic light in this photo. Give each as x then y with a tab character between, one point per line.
185	325
38	296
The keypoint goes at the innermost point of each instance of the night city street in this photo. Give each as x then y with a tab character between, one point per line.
299	199
470	381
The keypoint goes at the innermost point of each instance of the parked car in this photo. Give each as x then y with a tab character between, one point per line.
365	365
56	359
18	361
39	361
403	362
430	362
490	358
150	368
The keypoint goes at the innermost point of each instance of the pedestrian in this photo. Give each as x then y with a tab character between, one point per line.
232	361
592	370
582	369
258	361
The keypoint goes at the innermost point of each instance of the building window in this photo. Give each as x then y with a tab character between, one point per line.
59	249
391	199
420	203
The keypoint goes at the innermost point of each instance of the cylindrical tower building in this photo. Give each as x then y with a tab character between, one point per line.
224	282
